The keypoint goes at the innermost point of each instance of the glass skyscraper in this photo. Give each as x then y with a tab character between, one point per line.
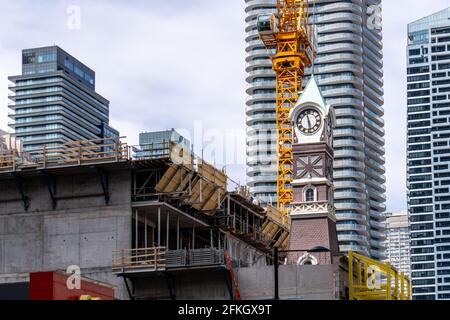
429	154
54	101
153	144
349	71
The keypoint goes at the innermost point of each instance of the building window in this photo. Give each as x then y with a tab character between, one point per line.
68	64
29	58
306	260
309	195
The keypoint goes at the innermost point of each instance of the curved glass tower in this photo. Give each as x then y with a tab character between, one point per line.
349	71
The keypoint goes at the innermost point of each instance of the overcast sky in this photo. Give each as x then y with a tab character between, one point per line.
180	64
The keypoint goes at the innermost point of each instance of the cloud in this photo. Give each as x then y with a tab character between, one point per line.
396	16
162	64
166	64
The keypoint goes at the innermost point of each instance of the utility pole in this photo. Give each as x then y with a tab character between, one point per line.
276	265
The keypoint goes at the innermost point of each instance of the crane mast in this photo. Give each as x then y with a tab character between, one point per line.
287	32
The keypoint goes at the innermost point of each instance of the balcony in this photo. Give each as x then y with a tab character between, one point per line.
353	237
378	234
352	227
355	248
351	216
157	259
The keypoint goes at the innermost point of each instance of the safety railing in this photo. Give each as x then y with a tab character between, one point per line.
66	154
152	259
8	160
159	258
369	279
79	152
206	257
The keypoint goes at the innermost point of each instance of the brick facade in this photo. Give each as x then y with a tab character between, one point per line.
310	233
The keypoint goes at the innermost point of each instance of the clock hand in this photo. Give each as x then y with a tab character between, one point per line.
309	122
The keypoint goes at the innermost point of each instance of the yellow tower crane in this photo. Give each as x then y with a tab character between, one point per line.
287	32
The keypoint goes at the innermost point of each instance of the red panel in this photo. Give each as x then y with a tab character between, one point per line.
41	286
52	286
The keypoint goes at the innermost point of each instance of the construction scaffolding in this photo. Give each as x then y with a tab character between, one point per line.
167	173
184	218
72	153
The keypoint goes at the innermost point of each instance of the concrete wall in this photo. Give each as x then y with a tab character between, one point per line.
82	231
255	283
295	282
186	285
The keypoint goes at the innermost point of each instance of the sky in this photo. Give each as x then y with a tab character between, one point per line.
180	64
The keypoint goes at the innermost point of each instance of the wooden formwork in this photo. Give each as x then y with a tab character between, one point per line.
276	228
203	185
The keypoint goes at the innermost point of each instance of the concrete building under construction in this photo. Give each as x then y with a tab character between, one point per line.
165	218
155	222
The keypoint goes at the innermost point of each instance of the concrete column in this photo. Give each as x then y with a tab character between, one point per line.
228	210
136	235
178	233
145	232
218	239
234	218
134	185
167	230
211	238
159	226
193	237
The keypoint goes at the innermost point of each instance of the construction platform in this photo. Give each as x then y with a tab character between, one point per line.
131	212
157	222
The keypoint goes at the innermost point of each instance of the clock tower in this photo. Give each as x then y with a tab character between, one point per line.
313	220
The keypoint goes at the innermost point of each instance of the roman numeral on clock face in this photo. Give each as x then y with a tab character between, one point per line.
309	121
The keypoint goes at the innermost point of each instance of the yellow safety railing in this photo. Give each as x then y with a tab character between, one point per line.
369	279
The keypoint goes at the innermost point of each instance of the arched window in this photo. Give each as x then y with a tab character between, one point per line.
307	260
309	195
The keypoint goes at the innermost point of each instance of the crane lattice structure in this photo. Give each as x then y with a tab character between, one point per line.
288	32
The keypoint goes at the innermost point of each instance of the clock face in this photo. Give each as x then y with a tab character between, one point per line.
309	121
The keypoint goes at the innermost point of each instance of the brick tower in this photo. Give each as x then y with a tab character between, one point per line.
313	229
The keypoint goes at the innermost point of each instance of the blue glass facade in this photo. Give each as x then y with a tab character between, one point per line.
153	144
55	101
